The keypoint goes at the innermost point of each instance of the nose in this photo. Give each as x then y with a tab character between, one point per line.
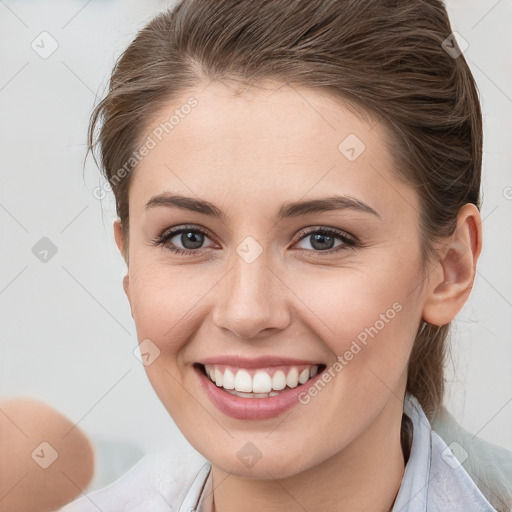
252	300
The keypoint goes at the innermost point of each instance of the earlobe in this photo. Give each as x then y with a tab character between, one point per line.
458	257
126	285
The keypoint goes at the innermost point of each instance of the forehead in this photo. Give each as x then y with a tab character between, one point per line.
268	140
276	115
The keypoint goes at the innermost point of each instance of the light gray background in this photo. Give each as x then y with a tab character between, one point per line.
67	336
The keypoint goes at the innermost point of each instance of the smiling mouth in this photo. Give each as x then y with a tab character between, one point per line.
259	382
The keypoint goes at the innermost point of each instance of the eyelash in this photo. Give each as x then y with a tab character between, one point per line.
349	242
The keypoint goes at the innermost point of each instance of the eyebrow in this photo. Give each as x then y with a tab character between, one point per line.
288	210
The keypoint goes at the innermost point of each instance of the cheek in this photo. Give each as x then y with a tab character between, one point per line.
163	301
367	318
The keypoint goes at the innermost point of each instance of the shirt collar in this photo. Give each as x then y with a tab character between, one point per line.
434	479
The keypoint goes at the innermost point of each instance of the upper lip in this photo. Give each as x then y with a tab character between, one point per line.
256	362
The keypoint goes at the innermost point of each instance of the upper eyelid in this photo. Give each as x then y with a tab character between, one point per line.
340	232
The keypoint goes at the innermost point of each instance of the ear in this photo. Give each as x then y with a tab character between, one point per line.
454	272
119	238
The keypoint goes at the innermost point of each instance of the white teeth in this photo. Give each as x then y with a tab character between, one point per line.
292	379
278	380
219	377
243	381
261	385
304	376
229	380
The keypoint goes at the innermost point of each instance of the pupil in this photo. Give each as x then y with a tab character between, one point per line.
319	237
190	236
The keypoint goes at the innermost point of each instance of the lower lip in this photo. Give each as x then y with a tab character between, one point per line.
252	408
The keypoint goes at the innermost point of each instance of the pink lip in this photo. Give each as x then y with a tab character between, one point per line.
256	362
252	408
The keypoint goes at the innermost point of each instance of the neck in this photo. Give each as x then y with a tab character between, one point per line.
365	477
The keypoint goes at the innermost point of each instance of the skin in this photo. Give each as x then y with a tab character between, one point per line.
248	154
37	476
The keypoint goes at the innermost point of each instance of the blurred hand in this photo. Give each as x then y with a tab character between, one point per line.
45	461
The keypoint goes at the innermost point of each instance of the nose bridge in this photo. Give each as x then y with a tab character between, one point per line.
251	296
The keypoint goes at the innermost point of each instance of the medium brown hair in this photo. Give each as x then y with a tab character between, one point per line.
384	57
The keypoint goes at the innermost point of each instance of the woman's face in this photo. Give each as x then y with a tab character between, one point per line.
264	281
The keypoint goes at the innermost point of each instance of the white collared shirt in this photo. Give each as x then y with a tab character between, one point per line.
434	480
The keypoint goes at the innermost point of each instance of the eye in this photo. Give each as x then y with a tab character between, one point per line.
190	237
322	240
